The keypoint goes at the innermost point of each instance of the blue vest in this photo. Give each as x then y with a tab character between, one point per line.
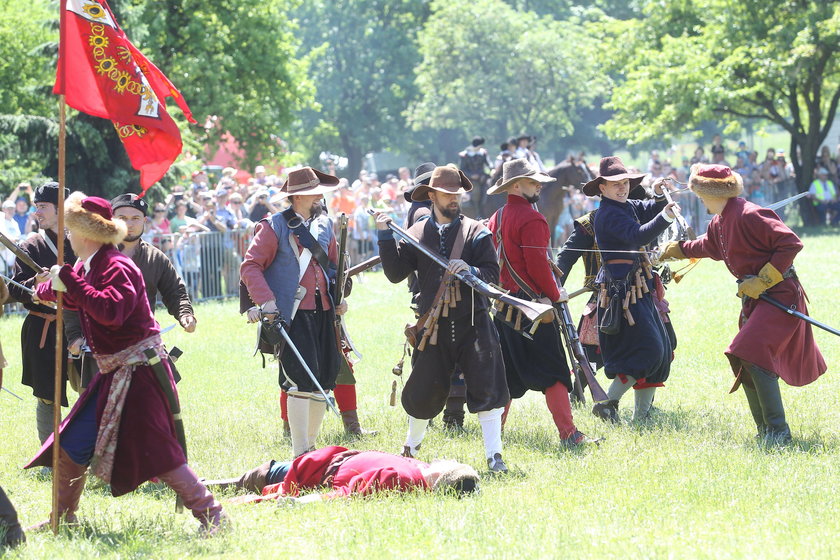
282	275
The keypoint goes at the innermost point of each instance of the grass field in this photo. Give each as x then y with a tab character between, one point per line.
690	483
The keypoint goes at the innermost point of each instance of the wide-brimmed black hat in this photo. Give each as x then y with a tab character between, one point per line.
422	175
130	200
446	179
611	168
48	192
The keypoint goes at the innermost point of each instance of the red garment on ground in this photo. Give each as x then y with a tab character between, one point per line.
526	237
362	474
115	314
746	237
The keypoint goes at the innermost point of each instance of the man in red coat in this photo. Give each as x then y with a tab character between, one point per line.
122	425
343	472
522	238
758	249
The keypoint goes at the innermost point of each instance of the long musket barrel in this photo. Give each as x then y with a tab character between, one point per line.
341	274
20	253
363	266
532	310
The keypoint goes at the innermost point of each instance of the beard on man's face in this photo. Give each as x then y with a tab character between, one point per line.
451	212
532	199
316	209
132	238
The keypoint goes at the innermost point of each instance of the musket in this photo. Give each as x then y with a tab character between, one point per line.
577	355
792	311
580	291
532	310
20	253
363	266
342	338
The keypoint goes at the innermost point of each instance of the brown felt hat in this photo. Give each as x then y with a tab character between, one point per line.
516	169
307	181
715	180
611	168
446	179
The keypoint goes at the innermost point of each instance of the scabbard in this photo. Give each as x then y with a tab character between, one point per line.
162	376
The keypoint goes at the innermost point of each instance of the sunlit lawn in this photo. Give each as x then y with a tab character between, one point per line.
690	483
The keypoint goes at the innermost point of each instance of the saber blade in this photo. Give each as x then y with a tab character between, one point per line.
291	345
14	395
29	291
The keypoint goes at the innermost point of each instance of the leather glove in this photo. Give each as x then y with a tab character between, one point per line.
673	251
57	284
767	277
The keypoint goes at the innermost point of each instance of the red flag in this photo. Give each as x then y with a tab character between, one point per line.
102	74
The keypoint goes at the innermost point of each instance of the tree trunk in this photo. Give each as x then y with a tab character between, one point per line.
805	173
354	158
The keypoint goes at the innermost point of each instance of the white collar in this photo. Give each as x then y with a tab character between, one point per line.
87	261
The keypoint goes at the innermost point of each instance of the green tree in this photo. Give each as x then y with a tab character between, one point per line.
690	61
234	60
362	55
487	67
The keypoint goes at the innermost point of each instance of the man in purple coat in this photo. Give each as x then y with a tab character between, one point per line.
121	426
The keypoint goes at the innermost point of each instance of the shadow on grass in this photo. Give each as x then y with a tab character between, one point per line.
679	420
813	444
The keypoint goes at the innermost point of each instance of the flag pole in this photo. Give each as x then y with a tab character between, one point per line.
59	316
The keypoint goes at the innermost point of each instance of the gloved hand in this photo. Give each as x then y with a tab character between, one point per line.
672	250
767	277
57	284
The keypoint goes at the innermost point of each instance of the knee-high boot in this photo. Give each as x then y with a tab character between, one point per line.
755	409
773	411
196	497
9	523
71	484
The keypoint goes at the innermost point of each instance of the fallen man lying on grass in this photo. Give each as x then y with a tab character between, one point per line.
342	472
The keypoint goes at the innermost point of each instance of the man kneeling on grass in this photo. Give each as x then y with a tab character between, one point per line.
343	472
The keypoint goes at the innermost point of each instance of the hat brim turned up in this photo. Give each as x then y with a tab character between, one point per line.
591	188
501	187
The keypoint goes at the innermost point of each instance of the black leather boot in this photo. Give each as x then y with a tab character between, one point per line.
773	411
755	409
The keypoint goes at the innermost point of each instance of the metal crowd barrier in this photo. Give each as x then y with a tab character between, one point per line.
207	261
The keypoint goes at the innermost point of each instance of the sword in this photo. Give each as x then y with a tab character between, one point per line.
792	311
29	291
291	345
15	396
776	205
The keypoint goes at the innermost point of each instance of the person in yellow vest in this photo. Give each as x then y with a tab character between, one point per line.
824	195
